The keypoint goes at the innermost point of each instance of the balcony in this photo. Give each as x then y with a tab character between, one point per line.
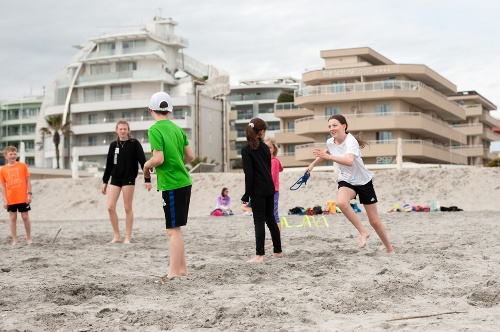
490	135
290	110
489	120
125	77
413	92
288	160
136	124
288	136
473	109
470	129
124	52
420	150
469	150
417	123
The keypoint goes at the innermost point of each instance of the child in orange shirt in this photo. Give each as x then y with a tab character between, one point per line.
16	189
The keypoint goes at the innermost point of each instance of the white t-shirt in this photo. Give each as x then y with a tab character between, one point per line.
357	174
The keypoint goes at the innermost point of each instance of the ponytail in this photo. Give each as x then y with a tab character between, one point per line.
253	129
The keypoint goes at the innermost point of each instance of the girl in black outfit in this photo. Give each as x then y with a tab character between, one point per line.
122	165
259	186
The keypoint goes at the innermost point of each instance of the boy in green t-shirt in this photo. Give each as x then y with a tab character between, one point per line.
170	152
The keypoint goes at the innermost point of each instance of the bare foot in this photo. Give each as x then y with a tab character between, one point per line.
362	241
28	241
277	255
126	241
116	240
14	243
392	252
256	259
269	246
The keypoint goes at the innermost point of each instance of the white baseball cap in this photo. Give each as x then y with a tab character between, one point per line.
159	98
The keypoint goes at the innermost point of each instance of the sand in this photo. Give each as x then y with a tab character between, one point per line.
444	277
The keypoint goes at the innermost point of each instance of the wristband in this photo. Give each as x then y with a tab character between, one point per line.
147	180
30	193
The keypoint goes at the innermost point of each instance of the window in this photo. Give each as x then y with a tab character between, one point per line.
388	82
126	44
383	109
92	140
30	112
329	111
273	126
126	66
120	91
290	149
92	118
291	126
384	135
110	117
178	113
338	87
29	145
100	69
127	116
93	94
146	116
28	129
106	46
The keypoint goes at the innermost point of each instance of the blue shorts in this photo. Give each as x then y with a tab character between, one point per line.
176	206
21	207
365	192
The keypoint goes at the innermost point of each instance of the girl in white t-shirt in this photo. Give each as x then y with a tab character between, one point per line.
354	179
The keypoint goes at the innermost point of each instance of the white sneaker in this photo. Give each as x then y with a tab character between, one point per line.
248	214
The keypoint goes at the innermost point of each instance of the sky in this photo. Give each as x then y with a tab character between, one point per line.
261	38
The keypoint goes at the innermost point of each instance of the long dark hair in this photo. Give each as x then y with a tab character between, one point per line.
340	118
223	192
255	126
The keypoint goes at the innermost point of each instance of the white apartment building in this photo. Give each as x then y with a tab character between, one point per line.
18	126
406	107
254	98
113	76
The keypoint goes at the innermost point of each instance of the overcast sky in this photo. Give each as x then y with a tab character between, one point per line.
261	38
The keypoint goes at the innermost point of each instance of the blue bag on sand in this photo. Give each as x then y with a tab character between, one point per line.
303	180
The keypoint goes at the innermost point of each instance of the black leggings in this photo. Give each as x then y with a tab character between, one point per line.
263	213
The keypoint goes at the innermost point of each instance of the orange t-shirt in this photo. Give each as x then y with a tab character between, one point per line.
14	177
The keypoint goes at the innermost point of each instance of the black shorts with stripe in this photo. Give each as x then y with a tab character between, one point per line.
176	206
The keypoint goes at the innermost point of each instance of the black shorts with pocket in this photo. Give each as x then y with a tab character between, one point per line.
365	192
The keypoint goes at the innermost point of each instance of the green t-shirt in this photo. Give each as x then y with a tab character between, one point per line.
168	137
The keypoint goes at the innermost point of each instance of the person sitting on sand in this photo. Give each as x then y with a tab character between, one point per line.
224	201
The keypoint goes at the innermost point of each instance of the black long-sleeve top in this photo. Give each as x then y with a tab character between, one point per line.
257	168
130	155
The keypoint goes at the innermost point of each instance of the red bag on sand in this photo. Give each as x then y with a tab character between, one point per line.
426	208
216	213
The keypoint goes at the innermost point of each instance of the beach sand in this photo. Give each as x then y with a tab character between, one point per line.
444	277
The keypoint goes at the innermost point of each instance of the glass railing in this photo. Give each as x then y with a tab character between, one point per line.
252	96
131	50
377	86
130	74
367	115
129	119
286	106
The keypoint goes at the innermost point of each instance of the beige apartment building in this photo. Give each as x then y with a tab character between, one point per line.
389	103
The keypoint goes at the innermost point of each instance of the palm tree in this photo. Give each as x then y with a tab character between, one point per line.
54	126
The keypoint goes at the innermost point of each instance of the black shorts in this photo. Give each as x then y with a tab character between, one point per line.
176	206
121	183
365	192
21	207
